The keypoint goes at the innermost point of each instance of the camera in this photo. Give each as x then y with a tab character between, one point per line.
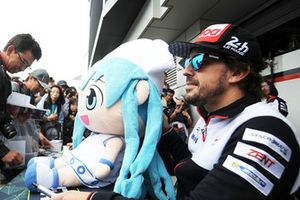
7	129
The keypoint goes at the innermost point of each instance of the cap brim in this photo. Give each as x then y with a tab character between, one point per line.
183	49
44	85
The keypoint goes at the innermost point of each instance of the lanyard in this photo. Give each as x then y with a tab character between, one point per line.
53	108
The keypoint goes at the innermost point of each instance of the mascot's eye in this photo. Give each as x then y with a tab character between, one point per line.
91	99
94	98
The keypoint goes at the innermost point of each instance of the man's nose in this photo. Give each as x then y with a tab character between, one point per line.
188	71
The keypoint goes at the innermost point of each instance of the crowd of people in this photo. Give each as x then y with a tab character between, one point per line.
239	148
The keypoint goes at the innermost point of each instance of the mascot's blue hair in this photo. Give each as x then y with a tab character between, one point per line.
121	78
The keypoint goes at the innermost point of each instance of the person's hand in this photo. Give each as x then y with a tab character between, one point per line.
185	113
69	145
176	129
166	125
72	117
44	141
13	158
178	109
52	117
71	195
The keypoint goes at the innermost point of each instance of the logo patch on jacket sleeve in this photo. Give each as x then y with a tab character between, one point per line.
261	157
250	174
269	140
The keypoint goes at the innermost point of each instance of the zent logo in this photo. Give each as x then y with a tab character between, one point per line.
261	157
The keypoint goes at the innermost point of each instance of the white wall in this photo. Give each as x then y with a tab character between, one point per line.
289	90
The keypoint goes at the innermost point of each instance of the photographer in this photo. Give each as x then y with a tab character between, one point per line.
18	54
180	119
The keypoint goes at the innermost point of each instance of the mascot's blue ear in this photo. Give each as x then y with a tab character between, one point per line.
79	131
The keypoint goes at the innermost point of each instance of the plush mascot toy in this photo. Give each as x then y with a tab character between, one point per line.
119	101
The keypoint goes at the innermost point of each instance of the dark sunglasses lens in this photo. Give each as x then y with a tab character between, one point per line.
197	61
186	62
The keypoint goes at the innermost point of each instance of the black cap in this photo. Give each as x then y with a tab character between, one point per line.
62	83
224	39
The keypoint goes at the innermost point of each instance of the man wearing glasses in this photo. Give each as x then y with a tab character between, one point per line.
18	54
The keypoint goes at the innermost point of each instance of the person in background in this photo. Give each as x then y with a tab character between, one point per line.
270	96
26	126
63	84
18	54
168	102
166	85
181	119
51	126
68	125
51	82
240	148
178	123
71	92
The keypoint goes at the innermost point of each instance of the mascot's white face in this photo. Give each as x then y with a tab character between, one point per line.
93	113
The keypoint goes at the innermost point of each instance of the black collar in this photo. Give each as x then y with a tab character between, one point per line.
231	110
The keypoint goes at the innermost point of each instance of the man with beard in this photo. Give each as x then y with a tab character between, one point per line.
240	148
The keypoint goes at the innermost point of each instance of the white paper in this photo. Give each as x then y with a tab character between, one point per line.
21	100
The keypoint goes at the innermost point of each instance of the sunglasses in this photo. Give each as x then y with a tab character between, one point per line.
198	60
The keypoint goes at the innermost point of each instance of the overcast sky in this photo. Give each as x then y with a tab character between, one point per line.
61	27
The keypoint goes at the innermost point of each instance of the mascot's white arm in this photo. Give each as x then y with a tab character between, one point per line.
112	150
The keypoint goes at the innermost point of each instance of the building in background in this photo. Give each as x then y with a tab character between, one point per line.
274	22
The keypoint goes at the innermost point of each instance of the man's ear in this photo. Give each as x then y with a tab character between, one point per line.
238	75
142	90
10	49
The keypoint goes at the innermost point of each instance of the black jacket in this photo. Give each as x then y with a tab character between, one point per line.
5	90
